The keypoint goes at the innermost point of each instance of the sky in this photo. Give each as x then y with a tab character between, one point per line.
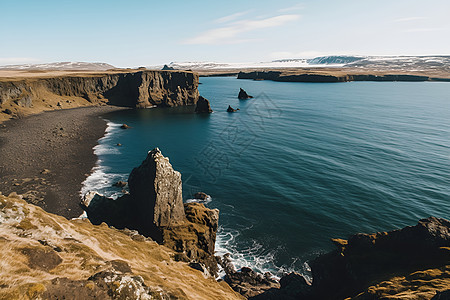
137	33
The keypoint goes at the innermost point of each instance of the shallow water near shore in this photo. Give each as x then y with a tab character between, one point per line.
299	164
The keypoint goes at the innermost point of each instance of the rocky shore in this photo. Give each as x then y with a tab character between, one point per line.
46	156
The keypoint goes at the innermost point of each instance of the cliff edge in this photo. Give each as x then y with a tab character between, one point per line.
23	95
45	256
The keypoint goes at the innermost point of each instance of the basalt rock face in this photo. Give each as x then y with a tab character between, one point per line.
134	89
279	76
243	94
155	189
374	266
154	207
203	106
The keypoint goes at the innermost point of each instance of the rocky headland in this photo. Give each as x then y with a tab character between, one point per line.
409	263
323	76
29	93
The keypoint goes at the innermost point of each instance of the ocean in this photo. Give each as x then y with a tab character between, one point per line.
297	165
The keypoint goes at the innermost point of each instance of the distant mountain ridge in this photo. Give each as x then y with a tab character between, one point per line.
409	63
76	66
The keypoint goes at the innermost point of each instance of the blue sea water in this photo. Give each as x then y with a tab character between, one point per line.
299	164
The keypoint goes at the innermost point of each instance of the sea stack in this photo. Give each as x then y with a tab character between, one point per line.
156	190
203	106
243	95
154	207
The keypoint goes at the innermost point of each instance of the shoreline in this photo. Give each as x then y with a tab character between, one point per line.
47	156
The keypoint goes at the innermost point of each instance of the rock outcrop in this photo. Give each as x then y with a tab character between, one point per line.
412	261
154	207
156	192
45	256
230	109
313	77
243	94
246	281
137	89
203	106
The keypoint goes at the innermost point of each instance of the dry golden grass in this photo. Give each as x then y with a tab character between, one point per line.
84	250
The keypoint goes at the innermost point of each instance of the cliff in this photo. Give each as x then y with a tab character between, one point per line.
409	263
31	94
45	256
314	76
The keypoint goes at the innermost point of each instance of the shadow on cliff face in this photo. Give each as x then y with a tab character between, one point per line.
146	89
155	209
412	262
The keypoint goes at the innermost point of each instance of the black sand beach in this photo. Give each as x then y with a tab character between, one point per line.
48	156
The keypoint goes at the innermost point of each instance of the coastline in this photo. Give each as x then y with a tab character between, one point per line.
47	156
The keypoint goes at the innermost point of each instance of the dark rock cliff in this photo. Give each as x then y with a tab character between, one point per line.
279	76
412	262
134	89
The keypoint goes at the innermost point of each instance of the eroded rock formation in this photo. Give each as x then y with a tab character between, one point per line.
313	77
154	207
230	109
203	106
138	89
45	256
413	261
246	281
243	94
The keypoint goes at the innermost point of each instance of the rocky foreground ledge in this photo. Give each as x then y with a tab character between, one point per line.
45	256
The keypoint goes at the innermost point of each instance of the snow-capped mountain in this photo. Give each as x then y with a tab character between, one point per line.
411	63
61	66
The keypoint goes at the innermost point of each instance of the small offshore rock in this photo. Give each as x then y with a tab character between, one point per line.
120	183
230	109
125	126
201	196
243	95
118	144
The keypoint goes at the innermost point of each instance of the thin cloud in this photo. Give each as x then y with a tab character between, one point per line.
424	29
409	19
295	7
304	54
227	34
231	17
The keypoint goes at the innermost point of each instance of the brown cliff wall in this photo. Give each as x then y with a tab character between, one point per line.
279	76
22	96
